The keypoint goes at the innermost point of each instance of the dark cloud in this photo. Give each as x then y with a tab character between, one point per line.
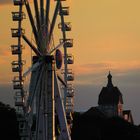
127	74
97	65
100	67
86	96
7	94
129	78
6	2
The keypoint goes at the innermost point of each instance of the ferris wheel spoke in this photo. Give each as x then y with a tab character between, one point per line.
39	118
61	79
37	52
42	11
31	20
35	66
54	49
54	19
40	106
37	14
60	110
36	89
47	16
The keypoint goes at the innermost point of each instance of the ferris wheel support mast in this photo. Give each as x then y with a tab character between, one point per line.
52	101
61	112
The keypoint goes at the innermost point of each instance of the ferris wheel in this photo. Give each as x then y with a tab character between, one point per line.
51	92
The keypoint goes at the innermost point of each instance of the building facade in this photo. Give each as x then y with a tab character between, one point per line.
110	101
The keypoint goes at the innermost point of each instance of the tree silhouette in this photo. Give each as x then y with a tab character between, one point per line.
93	125
8	123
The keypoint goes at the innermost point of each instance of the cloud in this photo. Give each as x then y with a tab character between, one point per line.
95	73
6	2
7	94
98	67
86	96
129	78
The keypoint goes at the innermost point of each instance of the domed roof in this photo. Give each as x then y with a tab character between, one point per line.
110	95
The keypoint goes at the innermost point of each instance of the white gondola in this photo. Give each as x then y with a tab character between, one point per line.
70	85
18	2
64	11
68	42
19	101
70	93
15	66
23	130
70	76
70	59
16	50
60	0
17	83
69	116
69	107
17	32
70	101
65	27
17	16
70	90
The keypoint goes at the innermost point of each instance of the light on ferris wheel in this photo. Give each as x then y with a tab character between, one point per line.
58	58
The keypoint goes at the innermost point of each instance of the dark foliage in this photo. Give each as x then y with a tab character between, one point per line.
94	126
8	123
91	125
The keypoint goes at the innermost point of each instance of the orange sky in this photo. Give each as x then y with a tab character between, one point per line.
106	37
103	31
107	30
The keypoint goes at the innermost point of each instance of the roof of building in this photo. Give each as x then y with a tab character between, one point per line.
110	95
129	116
94	112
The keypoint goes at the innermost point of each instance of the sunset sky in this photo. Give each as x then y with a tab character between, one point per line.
106	38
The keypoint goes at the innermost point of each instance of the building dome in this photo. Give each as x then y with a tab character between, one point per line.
110	95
